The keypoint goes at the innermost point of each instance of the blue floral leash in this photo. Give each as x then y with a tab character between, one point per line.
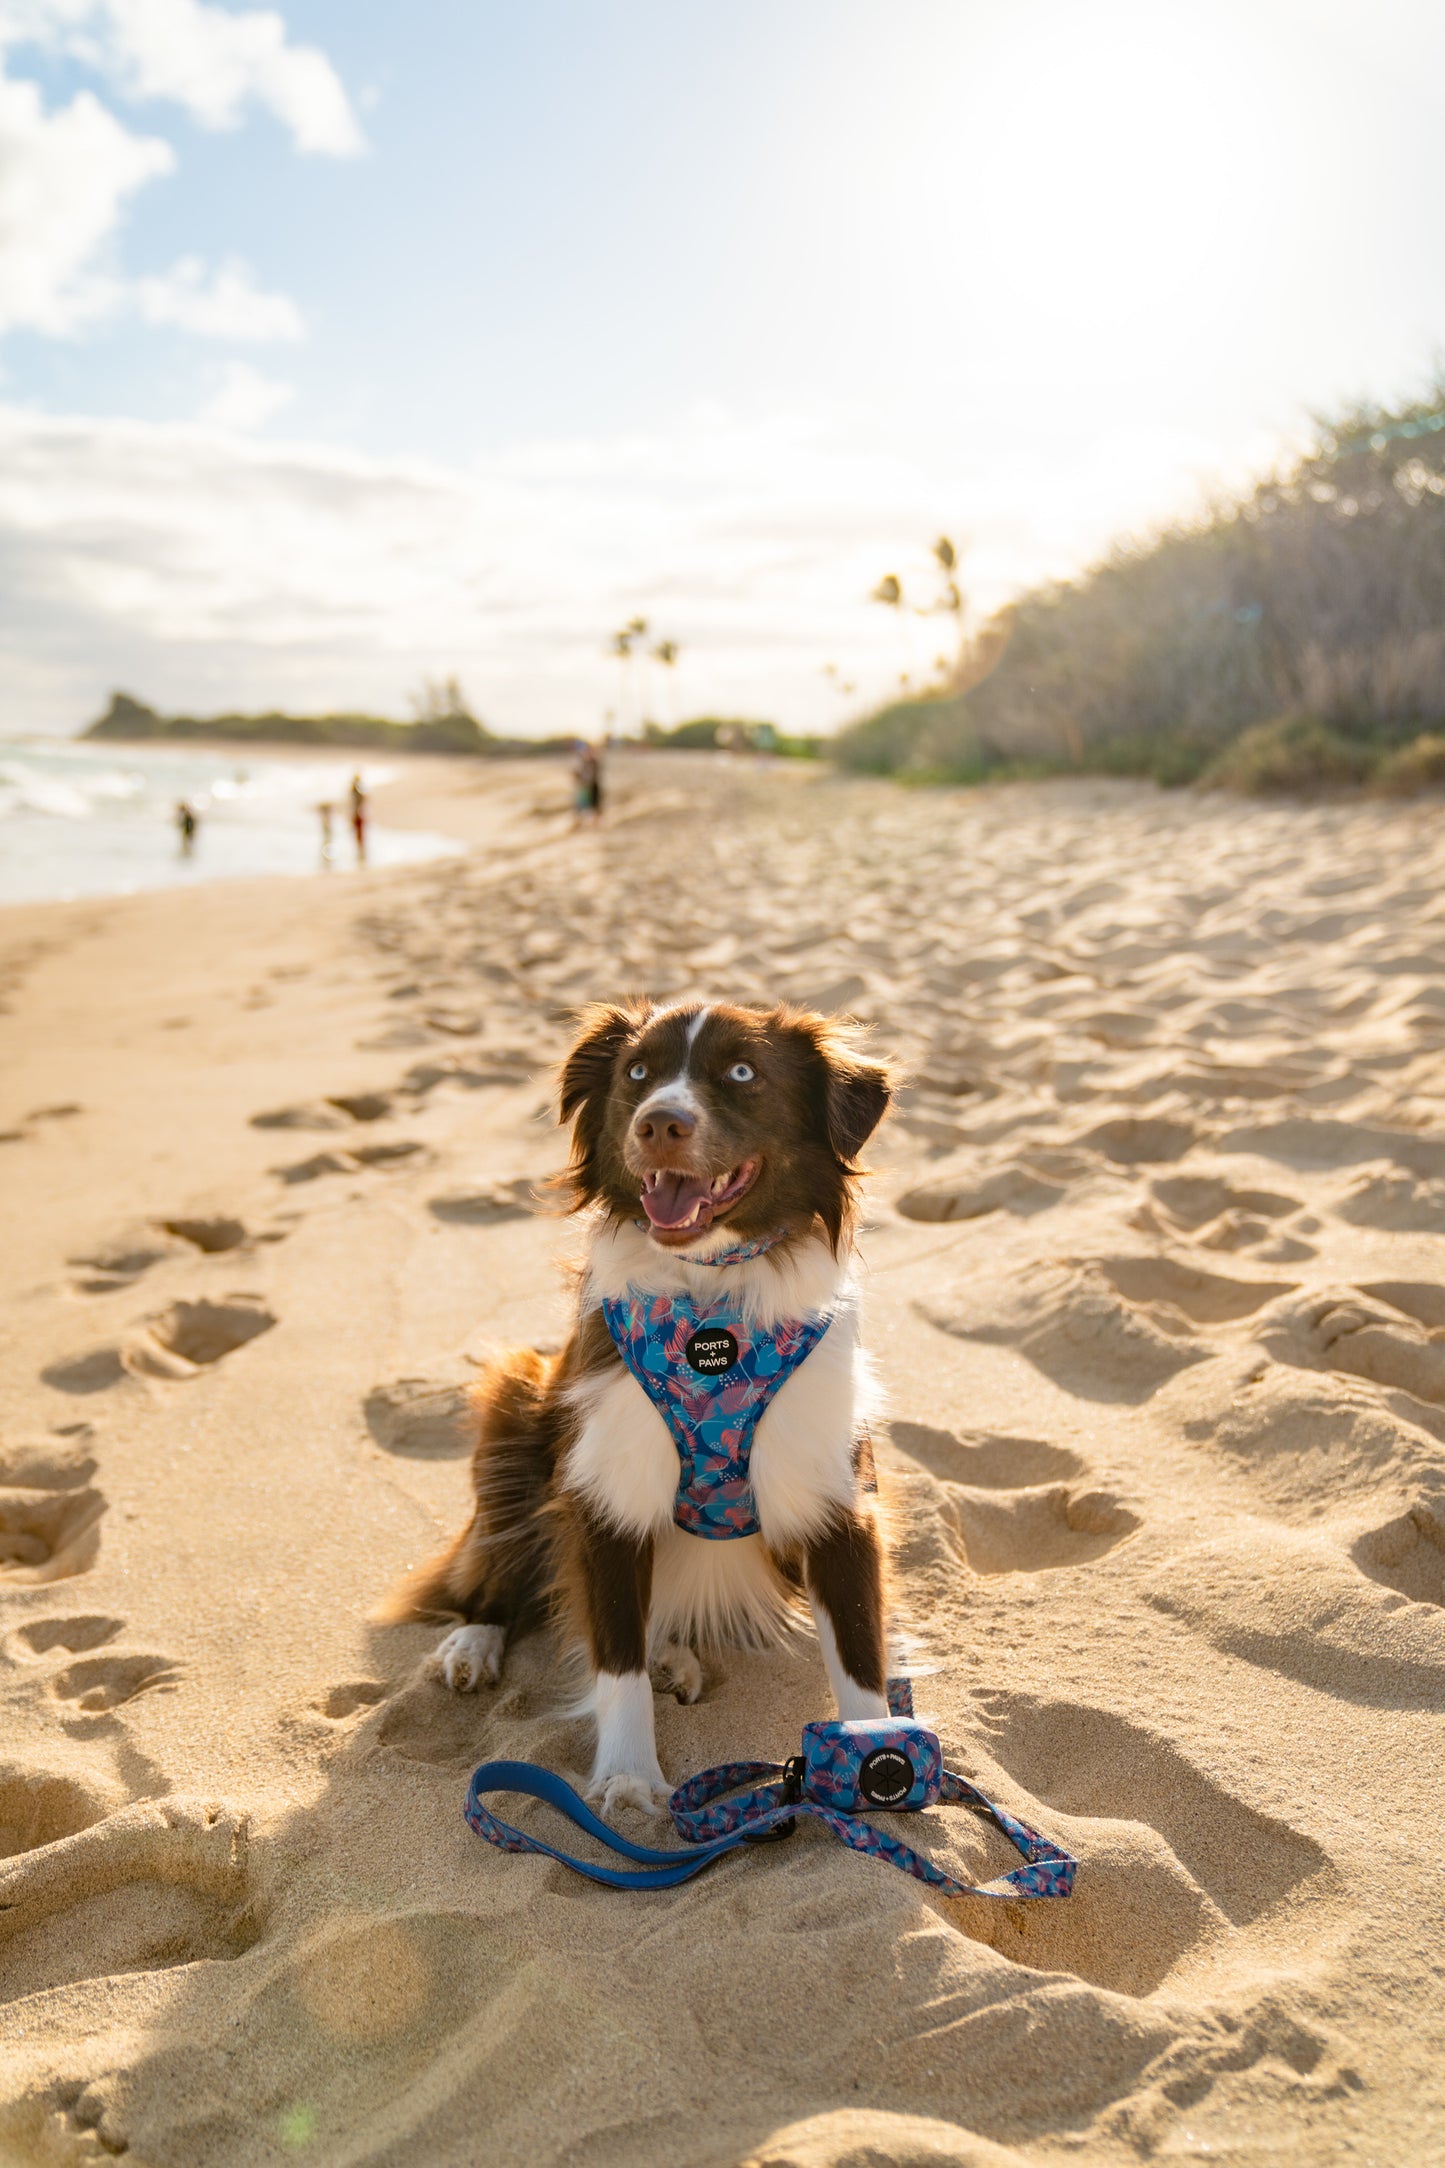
843	1771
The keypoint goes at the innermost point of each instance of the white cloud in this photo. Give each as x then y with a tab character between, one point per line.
65	177
211	61
222	304
200	567
245	399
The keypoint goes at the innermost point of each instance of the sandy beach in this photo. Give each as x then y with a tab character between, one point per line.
1155	1269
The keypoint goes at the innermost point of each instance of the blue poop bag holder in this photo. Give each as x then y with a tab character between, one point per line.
843	1771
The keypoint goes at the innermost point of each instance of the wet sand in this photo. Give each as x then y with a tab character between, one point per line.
1156	1284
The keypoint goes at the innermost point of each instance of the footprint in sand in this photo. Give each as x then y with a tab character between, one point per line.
349	1699
1204	1298
1295	1604
987	1460
499	1067
212	1235
1392	1201
73	1635
421	1418
420	1723
1112	1329
117	1264
179	1342
1317	1142
96	1371
1141	1140
98	1684
1407	1554
363	1106
162	1883
189	1337
1038	1530
1391	1332
348	1161
1172	1861
312	1114
1302	1435
1013	1189
993	1503
1218	1216
488	1205
38	1806
338	1111
49	1515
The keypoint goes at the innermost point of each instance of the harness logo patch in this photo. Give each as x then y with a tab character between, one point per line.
885	1777
711	1350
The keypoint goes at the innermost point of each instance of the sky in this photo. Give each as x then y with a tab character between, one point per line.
344	346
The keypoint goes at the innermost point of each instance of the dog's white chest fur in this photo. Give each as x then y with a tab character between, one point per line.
625	1463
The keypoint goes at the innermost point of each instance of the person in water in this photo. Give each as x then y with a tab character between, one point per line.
358	818
186	826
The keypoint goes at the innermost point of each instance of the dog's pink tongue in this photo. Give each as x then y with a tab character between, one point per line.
668	1202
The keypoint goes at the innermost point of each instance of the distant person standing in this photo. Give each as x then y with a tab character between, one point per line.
358	818
324	815
186	826
586	779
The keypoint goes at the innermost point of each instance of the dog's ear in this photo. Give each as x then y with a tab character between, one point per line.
857	1097
586	1075
587	1071
850	1092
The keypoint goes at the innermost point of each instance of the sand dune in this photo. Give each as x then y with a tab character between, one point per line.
1158	1297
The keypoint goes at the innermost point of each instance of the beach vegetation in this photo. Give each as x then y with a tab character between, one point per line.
734	734
441	724
1291	638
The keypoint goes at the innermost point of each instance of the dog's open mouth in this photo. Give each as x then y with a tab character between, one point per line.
686	1204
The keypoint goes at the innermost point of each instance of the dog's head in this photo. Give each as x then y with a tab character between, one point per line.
703	1114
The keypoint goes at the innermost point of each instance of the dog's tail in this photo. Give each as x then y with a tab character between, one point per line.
500	1555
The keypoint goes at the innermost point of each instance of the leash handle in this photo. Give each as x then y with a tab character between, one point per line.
657	1869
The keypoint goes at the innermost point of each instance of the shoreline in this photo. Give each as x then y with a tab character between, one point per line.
437	796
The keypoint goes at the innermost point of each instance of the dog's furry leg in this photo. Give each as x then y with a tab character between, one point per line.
611	1584
843	1570
493	1575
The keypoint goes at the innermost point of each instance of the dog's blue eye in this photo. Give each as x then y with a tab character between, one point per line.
638	1072
740	1073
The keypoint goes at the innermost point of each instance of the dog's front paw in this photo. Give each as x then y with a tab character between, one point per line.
469	1656
649	1794
676	1670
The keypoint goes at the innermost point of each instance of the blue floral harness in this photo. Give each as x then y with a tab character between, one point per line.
710	1374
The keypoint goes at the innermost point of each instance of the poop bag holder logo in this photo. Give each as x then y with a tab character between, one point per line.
844	1771
897	1765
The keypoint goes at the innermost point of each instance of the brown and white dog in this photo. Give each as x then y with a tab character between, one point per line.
697	1131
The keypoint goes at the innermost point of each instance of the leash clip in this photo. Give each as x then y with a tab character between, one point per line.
791	1792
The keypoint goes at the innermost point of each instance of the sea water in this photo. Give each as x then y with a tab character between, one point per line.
94	819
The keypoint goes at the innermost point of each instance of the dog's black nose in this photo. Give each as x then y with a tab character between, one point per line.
663	1125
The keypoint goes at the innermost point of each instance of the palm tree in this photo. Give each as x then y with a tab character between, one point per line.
889	592
950	600
666	652
637	633
622	649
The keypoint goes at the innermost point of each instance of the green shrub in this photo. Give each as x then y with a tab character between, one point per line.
1411	768
1291	753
